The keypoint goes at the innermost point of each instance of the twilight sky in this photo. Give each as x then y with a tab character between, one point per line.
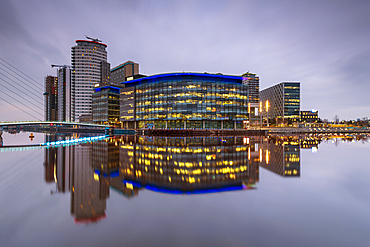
322	44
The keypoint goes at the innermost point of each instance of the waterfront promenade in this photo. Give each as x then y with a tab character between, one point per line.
294	131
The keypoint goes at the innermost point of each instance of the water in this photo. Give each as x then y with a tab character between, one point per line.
223	191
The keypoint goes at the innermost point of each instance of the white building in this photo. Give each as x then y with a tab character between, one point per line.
86	73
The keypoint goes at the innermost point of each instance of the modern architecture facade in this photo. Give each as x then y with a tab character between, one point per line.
309	116
124	72
185	100
51	98
252	80
106	105
283	101
282	157
87	57
105	73
64	94
186	165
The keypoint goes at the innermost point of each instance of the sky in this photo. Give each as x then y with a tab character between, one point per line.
322	44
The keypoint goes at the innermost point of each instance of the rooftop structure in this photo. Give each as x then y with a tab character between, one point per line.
124	72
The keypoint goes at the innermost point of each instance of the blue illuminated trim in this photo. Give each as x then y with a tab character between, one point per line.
83	139
195	191
134	183
114	174
98	89
165	190
148	78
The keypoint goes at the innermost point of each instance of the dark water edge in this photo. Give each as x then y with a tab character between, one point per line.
327	204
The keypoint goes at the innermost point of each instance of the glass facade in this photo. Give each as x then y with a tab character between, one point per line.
291	100
282	156
189	100
283	100
188	164
106	105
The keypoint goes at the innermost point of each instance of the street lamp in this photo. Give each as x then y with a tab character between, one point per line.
267	110
261	113
249	110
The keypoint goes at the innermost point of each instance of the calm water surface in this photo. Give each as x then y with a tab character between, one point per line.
222	191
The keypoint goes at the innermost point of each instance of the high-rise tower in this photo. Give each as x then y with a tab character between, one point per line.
252	80
86	73
64	93
51	100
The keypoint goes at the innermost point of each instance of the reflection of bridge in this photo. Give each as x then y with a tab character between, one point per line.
51	123
87	139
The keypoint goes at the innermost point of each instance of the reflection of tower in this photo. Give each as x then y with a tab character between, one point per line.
282	157
105	160
50	160
105	155
87	202
57	165
63	168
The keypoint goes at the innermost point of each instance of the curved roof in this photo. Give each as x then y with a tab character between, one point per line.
176	74
80	40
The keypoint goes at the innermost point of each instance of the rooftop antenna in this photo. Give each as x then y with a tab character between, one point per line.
93	39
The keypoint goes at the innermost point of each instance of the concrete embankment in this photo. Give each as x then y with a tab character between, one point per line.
201	132
295	131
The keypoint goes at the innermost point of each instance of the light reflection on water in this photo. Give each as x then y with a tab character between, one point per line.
193	167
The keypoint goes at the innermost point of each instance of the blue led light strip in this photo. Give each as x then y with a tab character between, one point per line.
83	139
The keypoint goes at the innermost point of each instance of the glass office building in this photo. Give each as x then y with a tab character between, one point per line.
185	100
105	102
283	100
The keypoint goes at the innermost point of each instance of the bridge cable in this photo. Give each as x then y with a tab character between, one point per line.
37	83
24	79
22	103
19	89
21	97
21	109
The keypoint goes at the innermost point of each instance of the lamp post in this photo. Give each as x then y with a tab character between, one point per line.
267	110
260	114
249	111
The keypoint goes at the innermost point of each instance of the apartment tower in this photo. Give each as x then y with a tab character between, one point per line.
51	98
64	93
87	57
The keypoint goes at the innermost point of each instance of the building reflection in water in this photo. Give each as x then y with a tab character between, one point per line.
282	156
187	165
175	165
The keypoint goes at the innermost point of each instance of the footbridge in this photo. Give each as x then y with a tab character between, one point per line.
52	123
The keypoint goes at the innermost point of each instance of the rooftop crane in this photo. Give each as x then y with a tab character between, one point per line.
93	39
60	66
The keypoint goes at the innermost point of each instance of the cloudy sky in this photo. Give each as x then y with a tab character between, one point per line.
323	44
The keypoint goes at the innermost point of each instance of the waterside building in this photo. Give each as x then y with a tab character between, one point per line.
87	58
185	100
283	101
51	98
106	104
